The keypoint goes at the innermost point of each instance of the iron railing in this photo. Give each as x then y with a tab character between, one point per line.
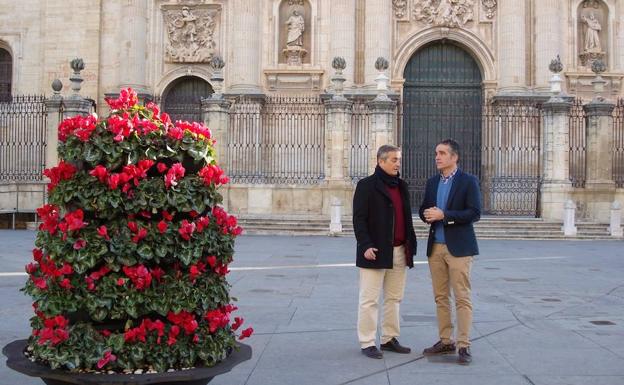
578	122
22	138
510	166
618	143
359	140
279	140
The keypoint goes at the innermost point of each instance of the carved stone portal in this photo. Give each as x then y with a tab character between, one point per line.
190	34
444	13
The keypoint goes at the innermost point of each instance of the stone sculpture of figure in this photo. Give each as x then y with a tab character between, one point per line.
592	37
296	26
189	30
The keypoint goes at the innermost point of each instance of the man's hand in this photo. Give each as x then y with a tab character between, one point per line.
433	214
370	254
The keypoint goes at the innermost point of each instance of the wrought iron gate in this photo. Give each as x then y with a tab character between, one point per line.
442	98
182	101
499	142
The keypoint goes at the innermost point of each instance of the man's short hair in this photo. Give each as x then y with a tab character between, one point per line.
383	151
453	146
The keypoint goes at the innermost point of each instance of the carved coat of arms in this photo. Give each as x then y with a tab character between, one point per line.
444	13
190	34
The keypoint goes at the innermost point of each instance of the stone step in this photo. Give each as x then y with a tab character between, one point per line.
487	228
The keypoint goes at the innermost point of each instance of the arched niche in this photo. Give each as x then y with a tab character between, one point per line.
592	32
288	13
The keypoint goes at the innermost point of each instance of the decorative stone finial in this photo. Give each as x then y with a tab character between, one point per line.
598	67
339	63
57	86
555	65
217	63
381	64
77	65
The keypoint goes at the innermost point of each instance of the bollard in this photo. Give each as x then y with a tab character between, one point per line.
335	226
569	229
615	225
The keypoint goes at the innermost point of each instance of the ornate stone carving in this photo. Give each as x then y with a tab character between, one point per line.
400	8
555	65
490	8
190	34
339	64
444	13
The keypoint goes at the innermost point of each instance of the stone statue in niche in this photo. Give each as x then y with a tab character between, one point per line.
592	37
294	50
296	26
591	45
190	34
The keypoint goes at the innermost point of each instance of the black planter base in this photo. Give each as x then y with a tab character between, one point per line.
196	376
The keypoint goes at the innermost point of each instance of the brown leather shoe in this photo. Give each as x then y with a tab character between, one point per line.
394	346
465	357
439	348
372	352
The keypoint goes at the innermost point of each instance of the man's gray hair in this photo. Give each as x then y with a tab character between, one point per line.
382	153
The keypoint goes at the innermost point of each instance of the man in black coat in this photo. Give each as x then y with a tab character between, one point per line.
452	203
386	244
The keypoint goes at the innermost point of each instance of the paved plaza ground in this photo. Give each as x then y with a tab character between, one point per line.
545	313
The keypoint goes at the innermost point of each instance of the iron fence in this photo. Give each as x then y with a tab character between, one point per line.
359	141
510	166
618	143
578	121
22	138
279	140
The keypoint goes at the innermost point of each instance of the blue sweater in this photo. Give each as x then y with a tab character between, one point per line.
443	192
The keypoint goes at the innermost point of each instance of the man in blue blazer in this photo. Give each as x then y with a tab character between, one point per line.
452	203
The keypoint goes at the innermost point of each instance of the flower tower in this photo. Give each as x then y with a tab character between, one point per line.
131	257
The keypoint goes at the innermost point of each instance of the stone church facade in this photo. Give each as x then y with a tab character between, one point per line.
299	99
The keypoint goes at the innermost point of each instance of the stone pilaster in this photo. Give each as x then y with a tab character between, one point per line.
556	184
336	128
133	44
244	53
343	25
378	37
382	123
548	39
512	46
53	108
599	184
216	116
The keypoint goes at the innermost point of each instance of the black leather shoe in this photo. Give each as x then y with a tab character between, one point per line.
439	348
372	352
464	356
394	346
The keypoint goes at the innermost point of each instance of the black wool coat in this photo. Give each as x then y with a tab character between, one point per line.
373	222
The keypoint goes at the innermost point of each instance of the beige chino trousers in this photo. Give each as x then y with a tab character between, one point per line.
374	282
449	272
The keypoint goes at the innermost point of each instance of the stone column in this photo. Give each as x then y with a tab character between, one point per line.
382	123
556	184
133	43
337	126
599	184
548	41
244	50
512	45
216	116
343	26
378	37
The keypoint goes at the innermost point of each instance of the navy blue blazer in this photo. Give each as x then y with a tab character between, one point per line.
463	208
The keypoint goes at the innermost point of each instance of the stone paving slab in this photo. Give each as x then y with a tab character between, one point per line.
534	302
